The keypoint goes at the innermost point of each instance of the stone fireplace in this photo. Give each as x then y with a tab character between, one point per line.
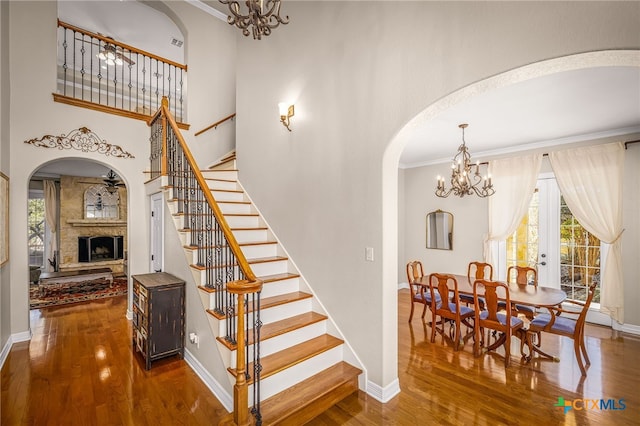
100	248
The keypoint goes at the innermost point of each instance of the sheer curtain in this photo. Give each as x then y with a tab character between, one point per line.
590	179
50	213
514	180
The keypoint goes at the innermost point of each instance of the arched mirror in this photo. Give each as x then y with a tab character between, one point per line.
440	230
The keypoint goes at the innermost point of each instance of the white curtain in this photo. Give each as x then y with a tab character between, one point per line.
50	210
514	180
590	179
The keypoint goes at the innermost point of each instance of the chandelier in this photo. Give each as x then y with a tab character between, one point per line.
464	180
263	15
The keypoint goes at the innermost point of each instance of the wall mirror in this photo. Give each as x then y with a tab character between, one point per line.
440	230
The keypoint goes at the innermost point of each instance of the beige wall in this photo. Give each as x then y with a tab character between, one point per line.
5	305
358	72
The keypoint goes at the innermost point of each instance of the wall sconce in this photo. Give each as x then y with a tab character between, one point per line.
286	112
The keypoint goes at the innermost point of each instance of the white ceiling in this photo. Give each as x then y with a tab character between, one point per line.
560	108
548	111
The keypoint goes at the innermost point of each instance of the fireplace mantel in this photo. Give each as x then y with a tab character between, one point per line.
96	222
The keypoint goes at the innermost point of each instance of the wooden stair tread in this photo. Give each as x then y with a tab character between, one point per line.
282	299
278	328
221	180
277	277
279	361
267	259
305	400
256	243
218	170
250	228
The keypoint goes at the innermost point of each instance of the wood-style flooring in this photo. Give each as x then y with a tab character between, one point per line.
79	369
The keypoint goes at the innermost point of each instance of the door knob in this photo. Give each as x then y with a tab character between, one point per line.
542	263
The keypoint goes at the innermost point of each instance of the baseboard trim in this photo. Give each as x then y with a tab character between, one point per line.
14	338
385	394
402	285
223	396
629	328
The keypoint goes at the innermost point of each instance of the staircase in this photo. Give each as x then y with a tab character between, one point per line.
301	359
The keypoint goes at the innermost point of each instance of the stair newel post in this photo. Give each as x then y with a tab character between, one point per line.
241	388
163	162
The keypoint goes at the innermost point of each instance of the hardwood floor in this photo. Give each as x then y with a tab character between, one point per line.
443	387
79	369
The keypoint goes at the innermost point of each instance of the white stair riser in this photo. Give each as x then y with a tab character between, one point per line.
242	221
288	377
228	196
287	340
269	268
222	184
259	250
250	235
287	310
221	174
280	287
238	208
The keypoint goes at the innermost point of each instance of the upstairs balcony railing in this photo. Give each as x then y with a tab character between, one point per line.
98	72
226	273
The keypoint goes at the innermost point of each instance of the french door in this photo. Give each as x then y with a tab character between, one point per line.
553	241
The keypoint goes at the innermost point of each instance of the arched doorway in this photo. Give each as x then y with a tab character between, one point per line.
77	232
390	192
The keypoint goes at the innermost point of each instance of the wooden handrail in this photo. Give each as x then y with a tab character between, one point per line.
233	244
120	44
216	124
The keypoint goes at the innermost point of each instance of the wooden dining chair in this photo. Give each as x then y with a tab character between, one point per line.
492	318
477	271
449	308
523	275
418	292
568	323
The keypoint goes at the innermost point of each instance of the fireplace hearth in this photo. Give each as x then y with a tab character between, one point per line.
100	249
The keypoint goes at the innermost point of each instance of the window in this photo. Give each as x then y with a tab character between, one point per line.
579	257
552	240
100	203
36	231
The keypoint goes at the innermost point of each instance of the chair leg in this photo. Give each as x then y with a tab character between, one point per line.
433	327
477	342
424	310
577	349
456	343
507	349
411	314
583	346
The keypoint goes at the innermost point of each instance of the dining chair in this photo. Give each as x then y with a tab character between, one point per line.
440	286
557	322
493	318
418	292
523	275
477	271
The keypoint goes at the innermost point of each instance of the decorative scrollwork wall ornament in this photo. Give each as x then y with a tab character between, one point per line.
82	139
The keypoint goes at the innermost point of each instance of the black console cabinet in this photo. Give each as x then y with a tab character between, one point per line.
158	316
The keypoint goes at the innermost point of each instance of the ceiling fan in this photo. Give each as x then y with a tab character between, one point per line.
111	182
110	53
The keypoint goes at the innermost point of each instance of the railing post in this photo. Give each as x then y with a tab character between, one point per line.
241	389
163	162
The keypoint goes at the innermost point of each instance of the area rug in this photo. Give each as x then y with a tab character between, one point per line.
76	292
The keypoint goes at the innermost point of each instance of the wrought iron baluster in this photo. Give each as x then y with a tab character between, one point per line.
257	365
64	65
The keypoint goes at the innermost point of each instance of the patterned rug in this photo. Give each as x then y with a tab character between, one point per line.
76	292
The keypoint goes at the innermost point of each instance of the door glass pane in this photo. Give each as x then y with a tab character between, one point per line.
522	245
580	257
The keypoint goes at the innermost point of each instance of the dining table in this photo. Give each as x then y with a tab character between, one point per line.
521	294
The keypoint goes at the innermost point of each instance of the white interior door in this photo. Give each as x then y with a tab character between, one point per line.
157	243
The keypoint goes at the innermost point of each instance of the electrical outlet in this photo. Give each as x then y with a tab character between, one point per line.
195	339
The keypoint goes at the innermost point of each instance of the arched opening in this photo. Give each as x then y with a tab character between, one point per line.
77	232
393	248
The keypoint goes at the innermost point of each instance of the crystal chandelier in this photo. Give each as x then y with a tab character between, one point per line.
464	181
262	15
